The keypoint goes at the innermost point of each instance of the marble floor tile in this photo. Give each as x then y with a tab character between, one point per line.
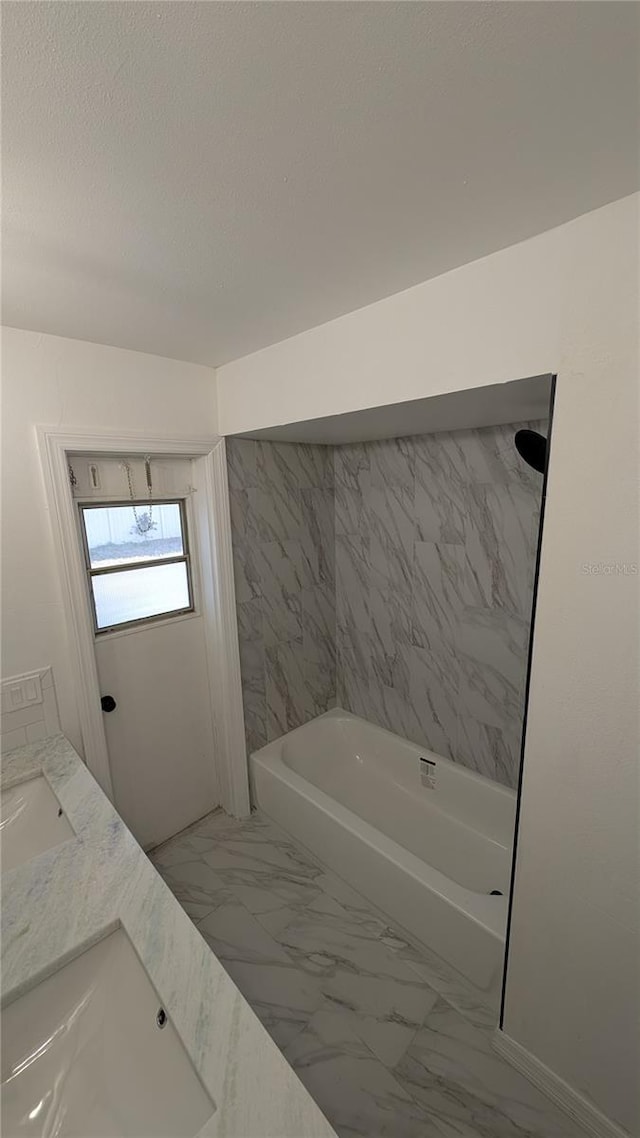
283	1024
188	845
276	919
262	894
255	861
468	1090
217	822
388	1039
235	934
380	996
356	1092
343	903
340	943
282	991
354	903
262	867
218	828
282	996
196	888
329	898
478	1007
384	1014
260	853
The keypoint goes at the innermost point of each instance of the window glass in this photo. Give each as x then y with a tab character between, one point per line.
137	593
120	535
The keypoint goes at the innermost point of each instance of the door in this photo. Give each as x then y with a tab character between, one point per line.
137	533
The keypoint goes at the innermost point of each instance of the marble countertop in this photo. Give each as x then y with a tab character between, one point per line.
69	897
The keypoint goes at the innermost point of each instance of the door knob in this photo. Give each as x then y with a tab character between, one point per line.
108	703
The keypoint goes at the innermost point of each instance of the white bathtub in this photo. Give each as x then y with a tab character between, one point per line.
426	842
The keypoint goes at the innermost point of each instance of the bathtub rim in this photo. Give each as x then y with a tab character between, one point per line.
473	776
486	911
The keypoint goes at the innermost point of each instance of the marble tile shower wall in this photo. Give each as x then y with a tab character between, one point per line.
282	519
435	554
394	578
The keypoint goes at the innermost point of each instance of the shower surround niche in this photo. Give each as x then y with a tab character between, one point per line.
393	578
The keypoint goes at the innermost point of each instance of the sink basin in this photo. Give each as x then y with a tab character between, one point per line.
31	821
83	1055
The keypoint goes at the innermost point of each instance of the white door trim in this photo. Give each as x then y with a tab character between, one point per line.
213	540
221	628
575	1105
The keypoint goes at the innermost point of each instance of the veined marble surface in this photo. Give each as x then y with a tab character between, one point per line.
282	520
394	578
389	1040
69	897
435	553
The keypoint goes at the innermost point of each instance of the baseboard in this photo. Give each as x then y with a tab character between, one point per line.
580	1109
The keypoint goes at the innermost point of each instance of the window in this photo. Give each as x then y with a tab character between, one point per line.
138	562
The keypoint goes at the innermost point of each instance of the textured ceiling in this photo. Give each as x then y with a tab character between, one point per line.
199	180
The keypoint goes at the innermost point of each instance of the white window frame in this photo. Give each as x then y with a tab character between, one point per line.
212	533
142	563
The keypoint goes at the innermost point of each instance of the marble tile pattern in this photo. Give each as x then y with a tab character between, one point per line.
393	578
282	519
436	540
69	897
386	1037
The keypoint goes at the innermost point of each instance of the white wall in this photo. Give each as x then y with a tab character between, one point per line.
565	301
56	381
573	995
